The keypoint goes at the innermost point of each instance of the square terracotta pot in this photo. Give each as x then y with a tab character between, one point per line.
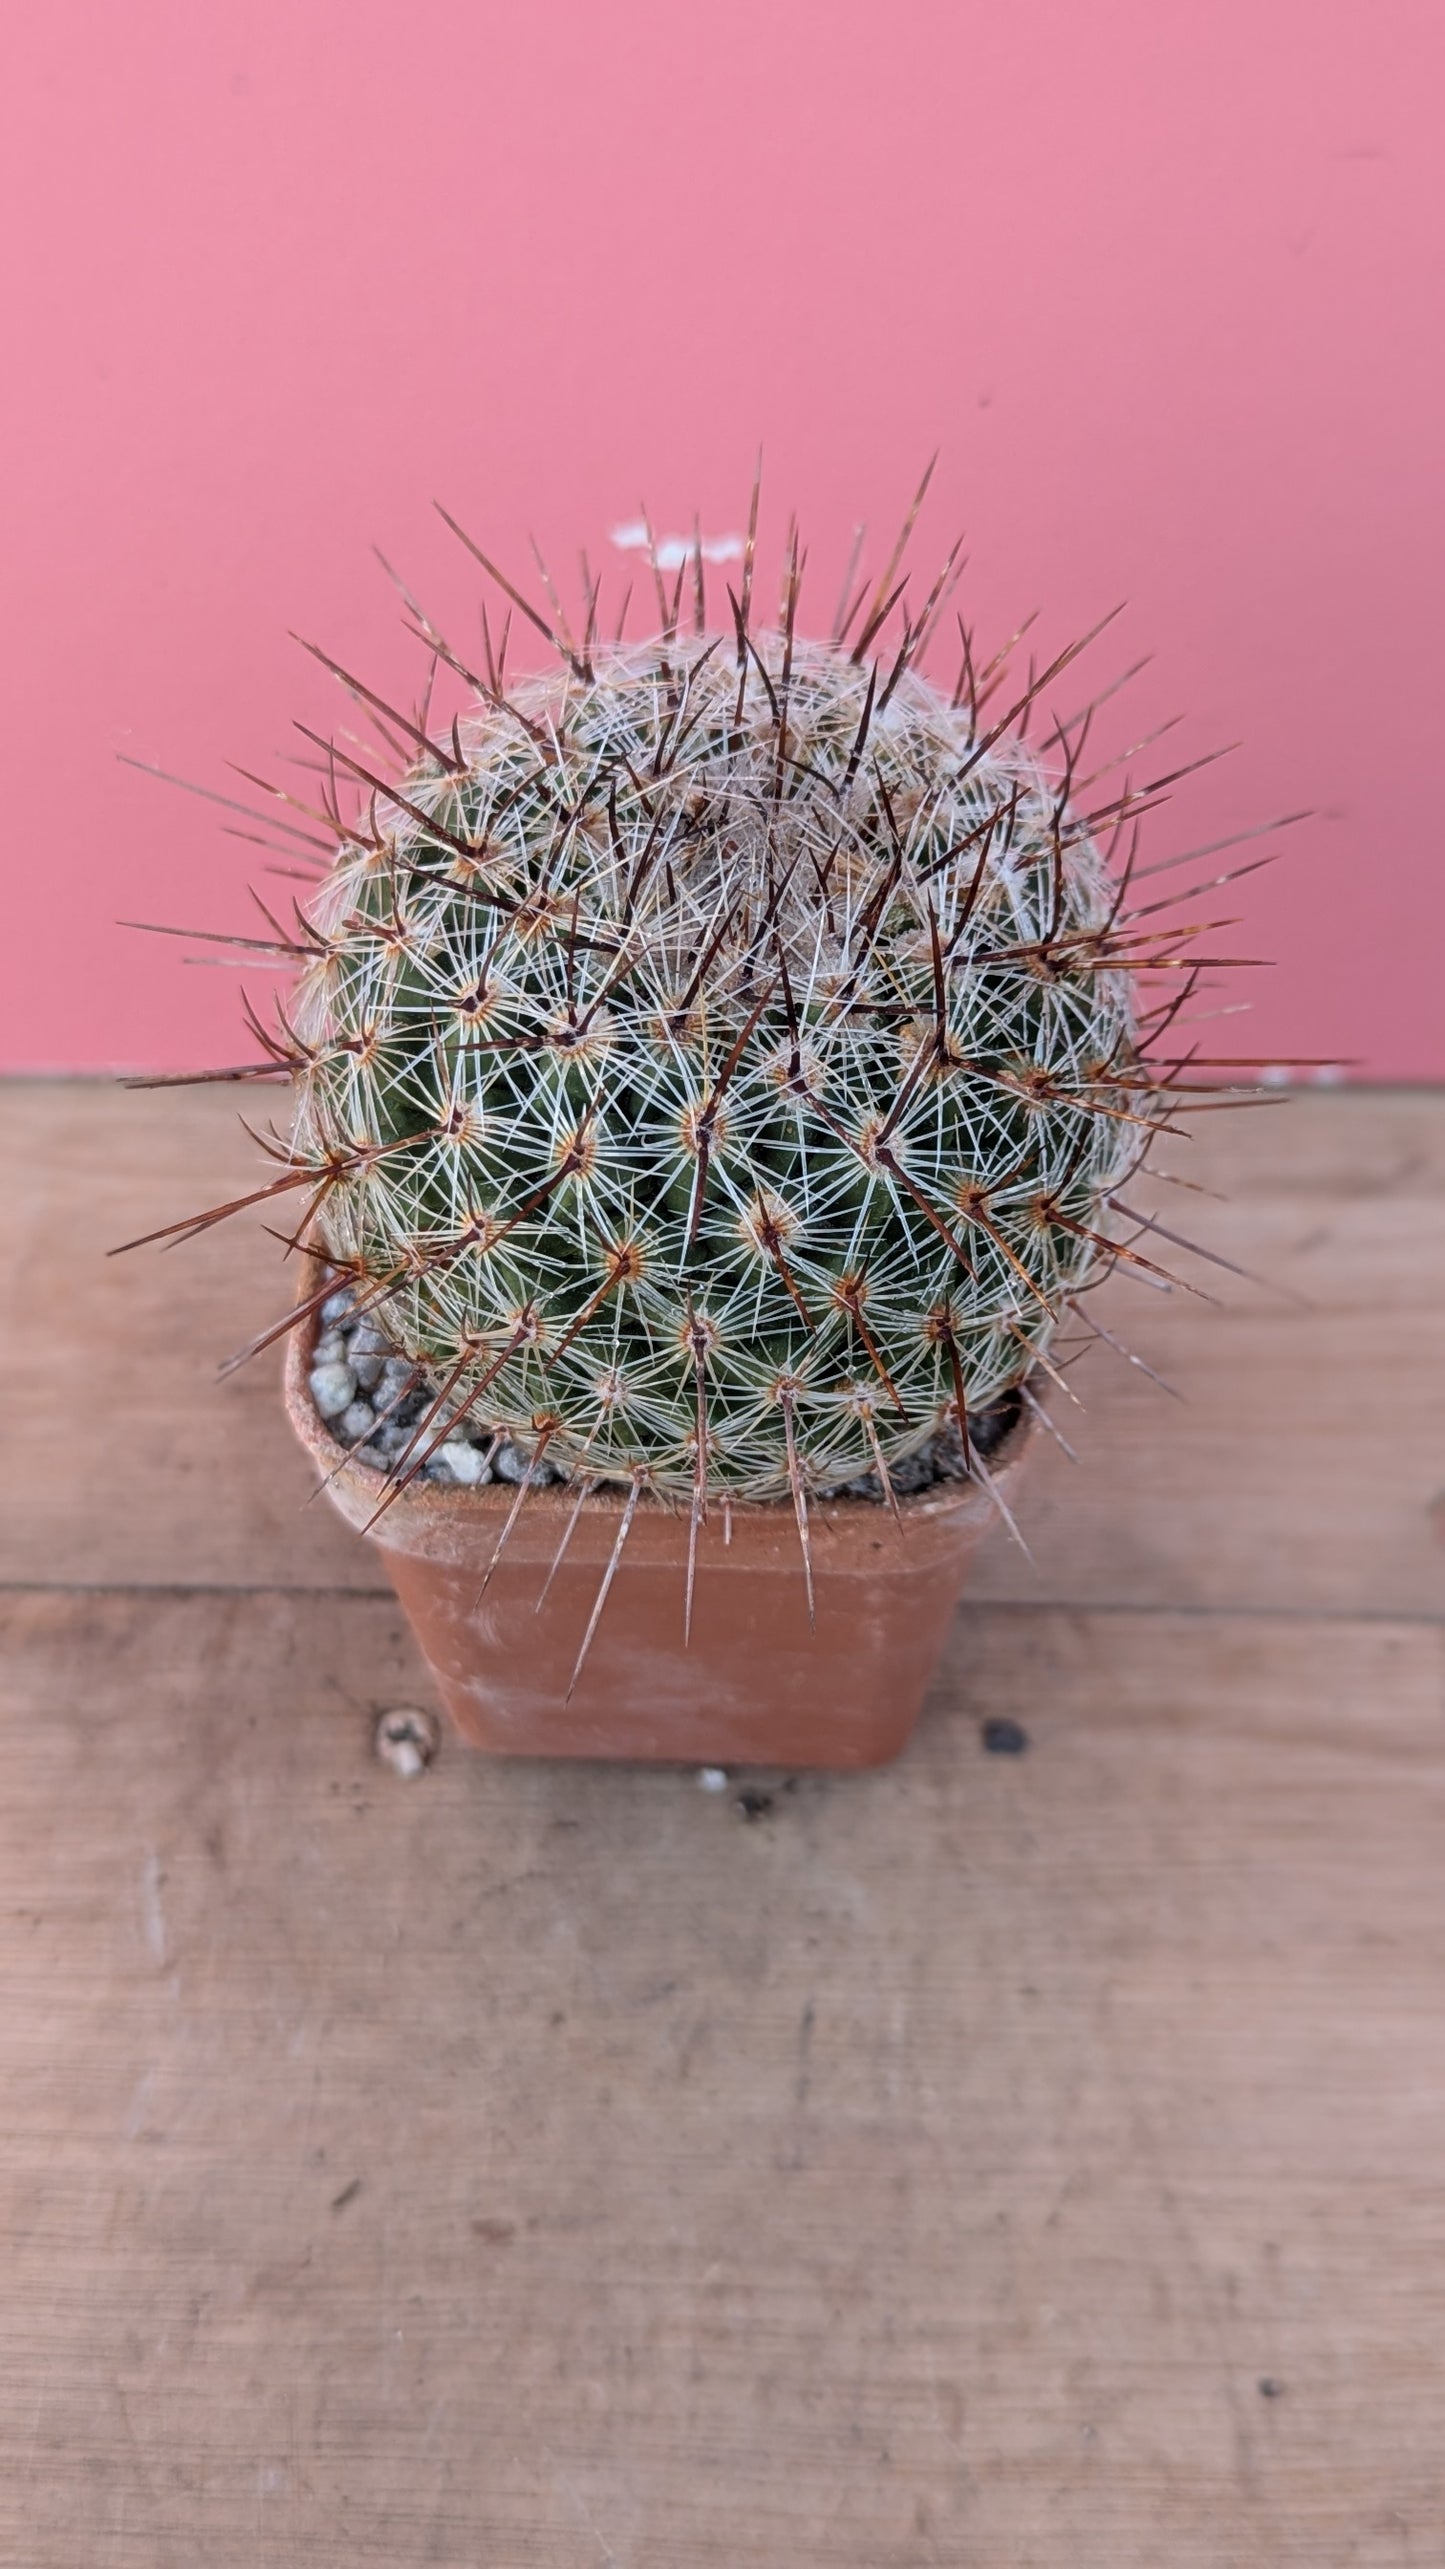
755	1686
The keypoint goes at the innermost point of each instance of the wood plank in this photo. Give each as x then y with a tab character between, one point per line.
1302	1471
546	2166
1307	1466
129	1461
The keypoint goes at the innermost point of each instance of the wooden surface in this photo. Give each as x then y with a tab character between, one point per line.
536	2169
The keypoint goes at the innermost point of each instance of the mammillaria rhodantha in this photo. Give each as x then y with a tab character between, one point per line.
718	1058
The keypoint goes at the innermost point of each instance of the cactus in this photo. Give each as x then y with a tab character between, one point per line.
718	1058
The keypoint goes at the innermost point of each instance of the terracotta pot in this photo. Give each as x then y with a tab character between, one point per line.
755	1686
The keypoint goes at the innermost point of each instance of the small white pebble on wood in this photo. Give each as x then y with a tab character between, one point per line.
406	1740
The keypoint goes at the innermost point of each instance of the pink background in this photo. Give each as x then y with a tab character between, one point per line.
1161	277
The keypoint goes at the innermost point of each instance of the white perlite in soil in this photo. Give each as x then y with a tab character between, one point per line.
373	1400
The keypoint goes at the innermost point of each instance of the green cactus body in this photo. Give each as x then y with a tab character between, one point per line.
718	1062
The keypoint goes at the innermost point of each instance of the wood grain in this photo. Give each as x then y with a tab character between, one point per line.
1300	1468
538	2168
555	2167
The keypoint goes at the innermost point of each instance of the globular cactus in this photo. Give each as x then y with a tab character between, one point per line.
718	1058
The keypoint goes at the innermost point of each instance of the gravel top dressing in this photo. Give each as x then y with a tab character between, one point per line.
373	1400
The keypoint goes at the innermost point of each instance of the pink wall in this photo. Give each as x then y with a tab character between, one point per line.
1162	277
